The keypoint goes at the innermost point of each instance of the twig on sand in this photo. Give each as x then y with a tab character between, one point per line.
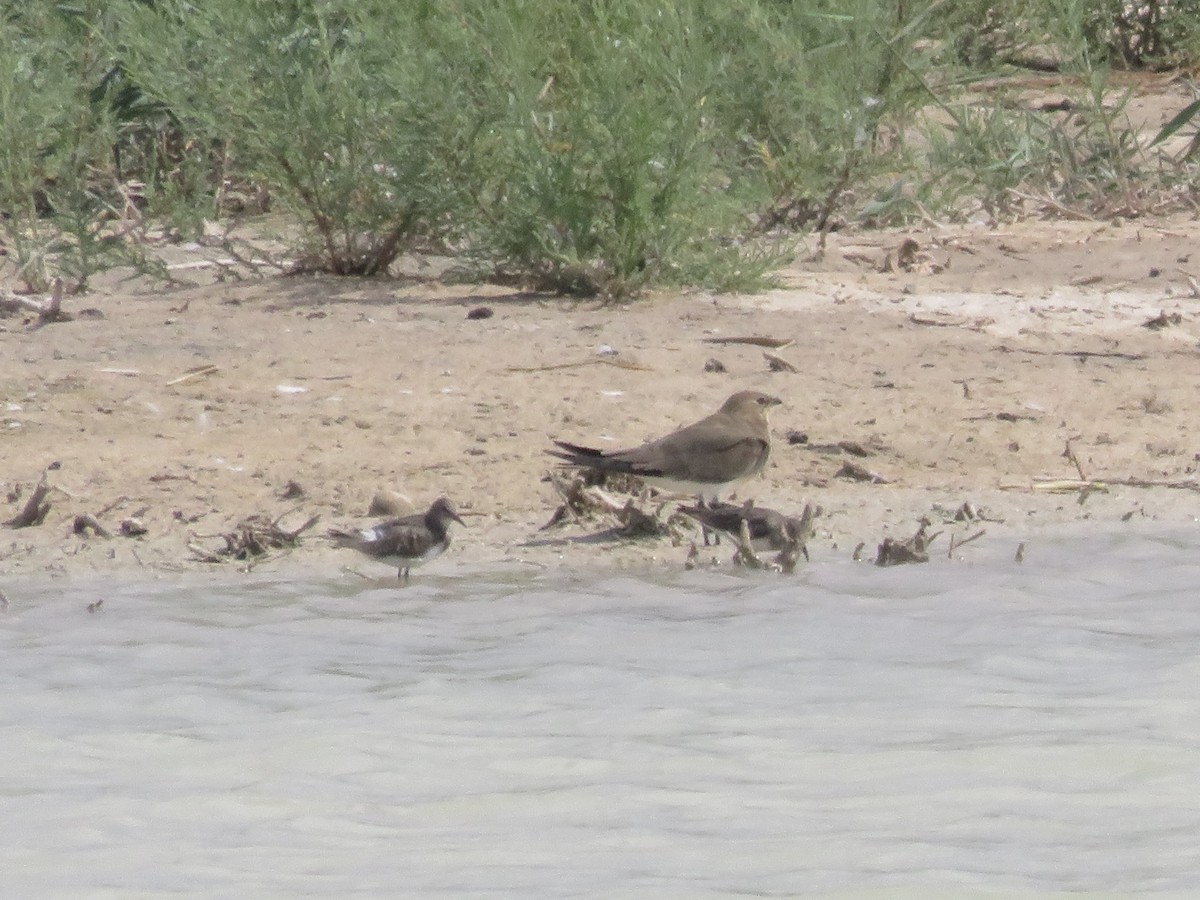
1069	453
1083	486
769	342
1185	484
855	472
193	374
618	363
955	544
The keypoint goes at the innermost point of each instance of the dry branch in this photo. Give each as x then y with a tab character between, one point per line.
35	509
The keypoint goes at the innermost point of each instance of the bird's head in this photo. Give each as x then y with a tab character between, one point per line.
444	510
755	402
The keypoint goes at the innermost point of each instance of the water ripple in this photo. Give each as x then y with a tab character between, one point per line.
942	730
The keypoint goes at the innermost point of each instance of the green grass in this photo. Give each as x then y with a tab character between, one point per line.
596	148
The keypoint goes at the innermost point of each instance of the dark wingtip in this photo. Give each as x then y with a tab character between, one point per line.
576	454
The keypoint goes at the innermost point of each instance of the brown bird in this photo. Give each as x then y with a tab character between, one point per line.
768	529
406	541
703	458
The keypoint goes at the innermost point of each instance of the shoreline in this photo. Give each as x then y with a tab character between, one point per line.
191	409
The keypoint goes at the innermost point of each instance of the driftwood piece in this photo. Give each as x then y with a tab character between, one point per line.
13	303
35	509
913	550
47	312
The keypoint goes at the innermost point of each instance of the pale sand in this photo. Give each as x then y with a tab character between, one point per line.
348	387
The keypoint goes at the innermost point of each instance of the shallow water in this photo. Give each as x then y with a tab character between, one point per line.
944	730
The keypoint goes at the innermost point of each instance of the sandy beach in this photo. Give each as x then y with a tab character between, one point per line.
961	366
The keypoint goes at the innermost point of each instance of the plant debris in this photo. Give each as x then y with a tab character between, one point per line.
585	499
292	491
751	525
1163	320
913	550
132	527
254	537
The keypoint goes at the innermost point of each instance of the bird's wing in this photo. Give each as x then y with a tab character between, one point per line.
406	536
716	449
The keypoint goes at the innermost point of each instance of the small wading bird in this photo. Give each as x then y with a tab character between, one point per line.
703	459
768	529
406	541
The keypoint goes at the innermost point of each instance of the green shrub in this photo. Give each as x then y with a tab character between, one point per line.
340	107
67	210
597	174
1078	34
814	98
1010	159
